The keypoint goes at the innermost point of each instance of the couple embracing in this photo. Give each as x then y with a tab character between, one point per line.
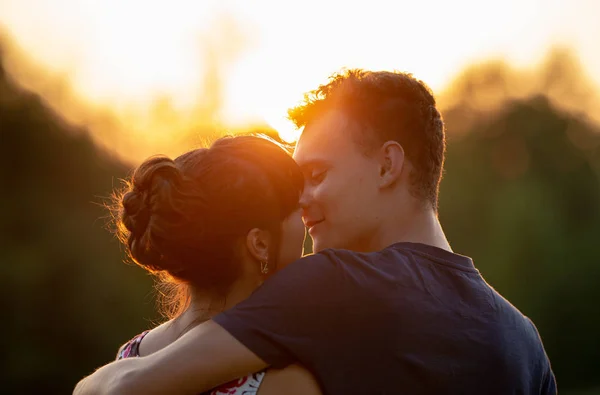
383	306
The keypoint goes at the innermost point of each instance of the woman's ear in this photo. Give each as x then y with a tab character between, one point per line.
257	243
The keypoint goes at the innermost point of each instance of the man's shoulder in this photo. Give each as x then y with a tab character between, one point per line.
343	259
328	268
397	261
316	265
398	253
345	265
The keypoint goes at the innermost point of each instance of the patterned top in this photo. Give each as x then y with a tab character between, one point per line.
244	386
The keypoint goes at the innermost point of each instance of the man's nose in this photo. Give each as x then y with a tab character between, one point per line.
305	198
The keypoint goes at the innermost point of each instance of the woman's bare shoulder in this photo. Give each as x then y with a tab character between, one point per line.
292	380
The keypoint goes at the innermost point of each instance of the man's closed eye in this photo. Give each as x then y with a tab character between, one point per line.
317	176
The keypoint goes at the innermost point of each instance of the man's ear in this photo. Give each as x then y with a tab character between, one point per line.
257	243
391	156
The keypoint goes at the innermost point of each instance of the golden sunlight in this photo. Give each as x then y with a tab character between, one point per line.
224	64
285	128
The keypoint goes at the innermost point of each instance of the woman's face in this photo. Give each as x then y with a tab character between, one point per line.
292	239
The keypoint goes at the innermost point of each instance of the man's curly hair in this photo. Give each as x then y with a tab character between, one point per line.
386	106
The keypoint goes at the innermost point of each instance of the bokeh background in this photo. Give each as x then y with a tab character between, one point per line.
88	89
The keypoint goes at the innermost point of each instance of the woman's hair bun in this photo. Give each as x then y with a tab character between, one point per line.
153	184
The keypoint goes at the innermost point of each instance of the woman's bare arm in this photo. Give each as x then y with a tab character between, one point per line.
292	380
203	358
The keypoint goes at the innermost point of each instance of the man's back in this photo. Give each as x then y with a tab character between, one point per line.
408	319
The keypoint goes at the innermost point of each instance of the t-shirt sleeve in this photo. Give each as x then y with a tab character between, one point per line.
549	384
292	315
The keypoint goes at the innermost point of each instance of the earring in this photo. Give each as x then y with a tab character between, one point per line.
264	267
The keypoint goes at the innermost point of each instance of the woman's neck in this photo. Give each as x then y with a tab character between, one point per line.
205	305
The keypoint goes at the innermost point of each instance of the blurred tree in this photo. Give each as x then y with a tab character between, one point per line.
521	195
69	299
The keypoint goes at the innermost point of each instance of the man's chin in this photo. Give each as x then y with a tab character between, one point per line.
320	245
317	246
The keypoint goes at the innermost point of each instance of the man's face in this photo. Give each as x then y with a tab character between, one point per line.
341	192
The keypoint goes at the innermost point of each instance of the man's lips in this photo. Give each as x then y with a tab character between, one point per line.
311	223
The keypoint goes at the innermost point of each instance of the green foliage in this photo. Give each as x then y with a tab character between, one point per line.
521	196
69	298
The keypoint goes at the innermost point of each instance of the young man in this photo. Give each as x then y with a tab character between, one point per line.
384	306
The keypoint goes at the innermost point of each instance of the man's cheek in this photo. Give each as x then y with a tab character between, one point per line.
323	193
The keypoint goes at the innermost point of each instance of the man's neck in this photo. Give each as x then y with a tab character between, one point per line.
422	226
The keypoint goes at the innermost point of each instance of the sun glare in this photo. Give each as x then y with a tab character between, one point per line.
285	128
248	62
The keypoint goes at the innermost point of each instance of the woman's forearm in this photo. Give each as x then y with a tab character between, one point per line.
114	378
134	376
203	358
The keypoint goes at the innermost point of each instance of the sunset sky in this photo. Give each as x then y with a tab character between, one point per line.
125	53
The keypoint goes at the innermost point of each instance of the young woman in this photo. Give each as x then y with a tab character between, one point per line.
213	224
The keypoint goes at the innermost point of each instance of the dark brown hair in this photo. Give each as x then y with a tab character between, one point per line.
386	106
182	219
